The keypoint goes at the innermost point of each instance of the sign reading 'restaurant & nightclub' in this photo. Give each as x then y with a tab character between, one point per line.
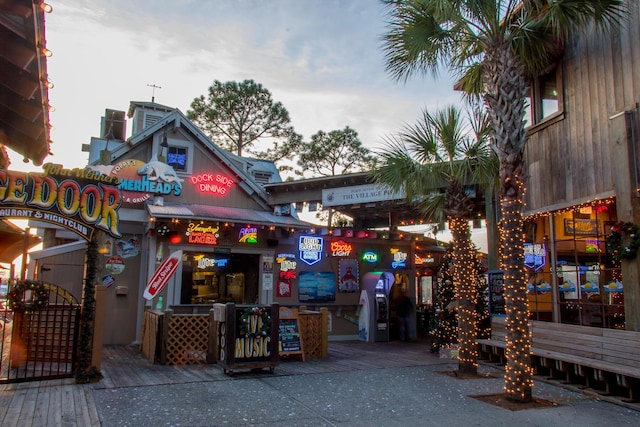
79	200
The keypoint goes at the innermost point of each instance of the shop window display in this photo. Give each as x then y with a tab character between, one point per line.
574	279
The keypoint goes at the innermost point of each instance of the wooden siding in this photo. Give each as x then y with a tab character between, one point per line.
65	270
568	161
204	161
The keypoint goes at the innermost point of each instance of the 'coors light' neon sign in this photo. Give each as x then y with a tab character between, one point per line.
212	183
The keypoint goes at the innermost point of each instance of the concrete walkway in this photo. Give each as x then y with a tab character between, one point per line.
361	384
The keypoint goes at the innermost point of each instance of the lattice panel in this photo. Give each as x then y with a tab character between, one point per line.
311	328
187	340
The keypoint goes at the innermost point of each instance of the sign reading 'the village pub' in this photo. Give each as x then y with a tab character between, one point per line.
80	200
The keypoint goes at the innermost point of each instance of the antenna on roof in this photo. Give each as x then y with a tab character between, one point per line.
153	93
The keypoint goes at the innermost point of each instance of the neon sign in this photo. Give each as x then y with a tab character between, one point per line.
341	248
535	255
212	262
287	263
200	234
212	183
248	235
370	257
79	200
399	258
418	260
310	249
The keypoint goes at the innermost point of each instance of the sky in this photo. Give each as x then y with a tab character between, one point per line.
322	59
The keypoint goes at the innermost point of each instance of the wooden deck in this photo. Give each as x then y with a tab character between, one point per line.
64	403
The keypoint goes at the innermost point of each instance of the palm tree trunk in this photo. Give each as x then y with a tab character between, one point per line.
505	95
85	373
463	279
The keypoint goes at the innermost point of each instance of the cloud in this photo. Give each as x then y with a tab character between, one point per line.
321	59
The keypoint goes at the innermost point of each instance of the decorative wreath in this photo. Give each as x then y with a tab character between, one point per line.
614	241
39	296
245	322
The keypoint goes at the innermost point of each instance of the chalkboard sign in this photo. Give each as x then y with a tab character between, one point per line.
496	292
290	337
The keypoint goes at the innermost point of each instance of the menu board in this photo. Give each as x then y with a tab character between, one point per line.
290	341
289	335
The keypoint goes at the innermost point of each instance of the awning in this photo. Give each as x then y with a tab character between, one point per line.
225	214
12	242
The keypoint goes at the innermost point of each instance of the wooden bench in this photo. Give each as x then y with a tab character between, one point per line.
607	360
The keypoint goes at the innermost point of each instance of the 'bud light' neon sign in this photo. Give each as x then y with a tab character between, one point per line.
310	249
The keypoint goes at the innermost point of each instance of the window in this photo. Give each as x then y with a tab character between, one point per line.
570	259
546	97
177	158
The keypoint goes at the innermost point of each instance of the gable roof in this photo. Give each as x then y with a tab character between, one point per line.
177	119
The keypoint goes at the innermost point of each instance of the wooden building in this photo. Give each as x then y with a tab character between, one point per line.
583	173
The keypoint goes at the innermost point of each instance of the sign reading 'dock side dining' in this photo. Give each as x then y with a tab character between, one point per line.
80	200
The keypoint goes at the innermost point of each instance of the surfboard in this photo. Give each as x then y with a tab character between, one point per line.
363	317
162	275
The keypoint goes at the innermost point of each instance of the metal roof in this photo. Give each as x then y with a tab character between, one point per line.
224	214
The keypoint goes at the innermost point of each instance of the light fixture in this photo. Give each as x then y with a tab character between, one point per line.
46	52
109	137
164	142
46	7
49	84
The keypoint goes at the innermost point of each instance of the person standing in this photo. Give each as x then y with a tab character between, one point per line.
405	312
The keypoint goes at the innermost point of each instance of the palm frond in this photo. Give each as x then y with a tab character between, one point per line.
415	43
441	152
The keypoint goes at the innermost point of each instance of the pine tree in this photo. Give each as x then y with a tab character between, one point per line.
444	324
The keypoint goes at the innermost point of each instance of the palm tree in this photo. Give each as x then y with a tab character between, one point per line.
494	47
442	152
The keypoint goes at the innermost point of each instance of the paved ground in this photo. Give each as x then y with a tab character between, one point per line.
361	384
408	396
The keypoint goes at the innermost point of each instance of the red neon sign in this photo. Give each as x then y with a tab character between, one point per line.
212	183
341	248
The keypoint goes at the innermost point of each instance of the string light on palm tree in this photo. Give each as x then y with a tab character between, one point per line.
495	48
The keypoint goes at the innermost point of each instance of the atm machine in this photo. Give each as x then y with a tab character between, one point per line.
374	310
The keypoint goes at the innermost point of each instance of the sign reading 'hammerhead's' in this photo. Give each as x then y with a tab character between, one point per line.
79	200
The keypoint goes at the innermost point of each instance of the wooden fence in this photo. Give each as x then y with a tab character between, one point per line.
186	335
